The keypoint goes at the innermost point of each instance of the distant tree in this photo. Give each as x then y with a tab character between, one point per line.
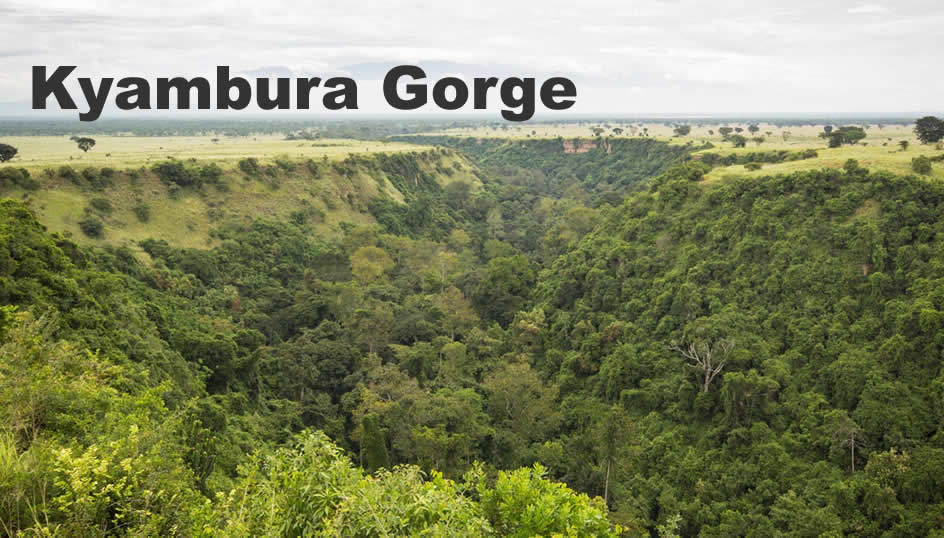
844	135
738	130
711	132
682	130
597	131
738	140
786	135
617	131
929	129
903	144
708	358
921	165
828	129
458	315
84	143
753	128
758	140
369	263
725	131
7	152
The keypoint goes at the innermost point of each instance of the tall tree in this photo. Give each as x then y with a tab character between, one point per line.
929	129
706	357
613	433
84	143
7	152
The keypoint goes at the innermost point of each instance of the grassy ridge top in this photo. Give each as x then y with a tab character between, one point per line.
36	152
322	193
880	149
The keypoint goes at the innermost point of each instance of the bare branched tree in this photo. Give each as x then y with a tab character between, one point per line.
709	358
848	434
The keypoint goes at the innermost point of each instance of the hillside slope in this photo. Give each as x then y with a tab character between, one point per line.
181	201
505	323
820	297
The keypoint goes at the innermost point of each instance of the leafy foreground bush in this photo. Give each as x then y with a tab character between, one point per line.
313	489
63	472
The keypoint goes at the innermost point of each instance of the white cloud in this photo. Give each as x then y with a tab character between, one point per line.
867	9
719	56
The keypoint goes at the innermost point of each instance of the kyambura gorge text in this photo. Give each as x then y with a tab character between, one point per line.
404	88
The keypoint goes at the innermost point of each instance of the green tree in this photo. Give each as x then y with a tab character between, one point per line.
503	291
524	503
929	129
7	152
368	264
613	434
83	142
921	165
373	444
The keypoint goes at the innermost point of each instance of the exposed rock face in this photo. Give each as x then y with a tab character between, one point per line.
583	147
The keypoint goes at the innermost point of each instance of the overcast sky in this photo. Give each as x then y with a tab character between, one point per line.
626	57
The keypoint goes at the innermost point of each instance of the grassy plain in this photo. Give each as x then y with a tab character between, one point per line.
134	151
879	151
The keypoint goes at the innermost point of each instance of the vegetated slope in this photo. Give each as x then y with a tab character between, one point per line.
605	168
451	331
128	398
165	376
183	201
826	289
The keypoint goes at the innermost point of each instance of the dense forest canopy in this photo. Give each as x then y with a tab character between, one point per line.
741	357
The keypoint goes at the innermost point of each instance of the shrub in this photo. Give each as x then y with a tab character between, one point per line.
211	173
92	226
921	165
142	211
68	173
91	176
101	205
285	163
314	169
249	166
17	177
752	166
174	172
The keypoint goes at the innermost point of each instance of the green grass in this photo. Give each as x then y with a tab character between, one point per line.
889	158
871	153
37	152
186	219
